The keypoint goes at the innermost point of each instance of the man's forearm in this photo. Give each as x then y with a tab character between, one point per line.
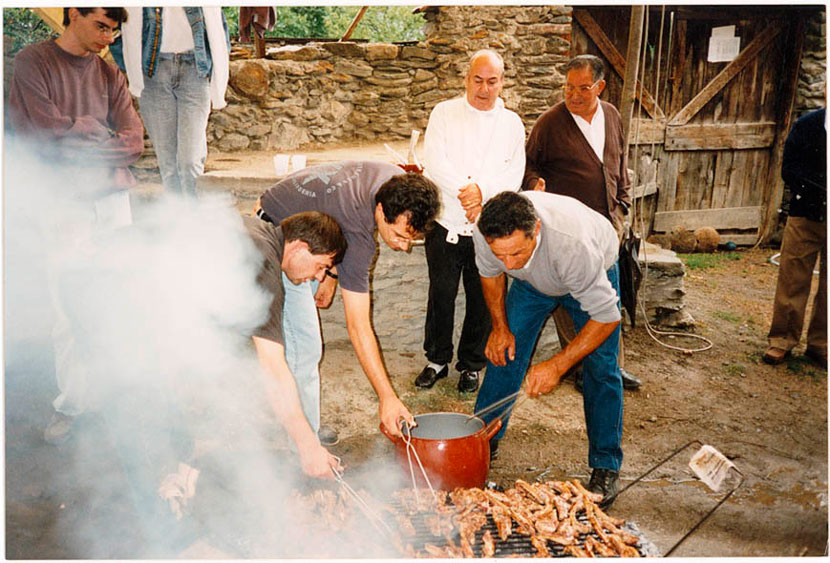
494	294
591	337
364	341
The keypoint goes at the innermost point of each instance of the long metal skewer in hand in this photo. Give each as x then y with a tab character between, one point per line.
363	506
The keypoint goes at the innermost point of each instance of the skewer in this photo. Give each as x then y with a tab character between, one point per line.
373	517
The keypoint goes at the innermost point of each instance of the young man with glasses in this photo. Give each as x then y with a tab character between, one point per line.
361	196
73	110
576	148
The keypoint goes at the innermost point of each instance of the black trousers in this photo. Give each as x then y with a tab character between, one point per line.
447	264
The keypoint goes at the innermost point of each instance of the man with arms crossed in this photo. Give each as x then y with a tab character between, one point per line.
361	196
474	150
560	253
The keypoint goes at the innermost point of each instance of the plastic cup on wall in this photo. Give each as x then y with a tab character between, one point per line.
298	162
281	164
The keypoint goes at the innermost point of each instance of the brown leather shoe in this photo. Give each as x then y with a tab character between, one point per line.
774	356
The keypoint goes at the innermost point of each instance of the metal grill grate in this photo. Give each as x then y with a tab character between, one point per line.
516	543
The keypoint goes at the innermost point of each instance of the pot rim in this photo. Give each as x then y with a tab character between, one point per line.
473	435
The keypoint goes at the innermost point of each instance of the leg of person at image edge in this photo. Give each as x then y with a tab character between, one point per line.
803	242
476	327
304	350
527	310
175	105
68	235
566	332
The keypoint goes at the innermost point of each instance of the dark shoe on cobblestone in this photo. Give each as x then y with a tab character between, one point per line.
427	378
468	381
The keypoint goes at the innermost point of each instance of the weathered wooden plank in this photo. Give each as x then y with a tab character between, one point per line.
720	136
728	73
727	218
720	185
644	190
734	191
628	94
594	31
678	63
668	172
647	131
775	186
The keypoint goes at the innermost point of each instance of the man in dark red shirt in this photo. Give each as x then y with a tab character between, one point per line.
73	111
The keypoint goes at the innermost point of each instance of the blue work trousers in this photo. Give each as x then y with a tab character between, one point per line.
527	309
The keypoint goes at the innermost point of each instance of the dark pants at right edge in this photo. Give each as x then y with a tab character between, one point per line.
447	264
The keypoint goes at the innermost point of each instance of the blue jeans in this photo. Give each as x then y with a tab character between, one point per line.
527	310
175	105
303	345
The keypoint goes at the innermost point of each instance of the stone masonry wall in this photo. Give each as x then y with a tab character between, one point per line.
812	77
321	93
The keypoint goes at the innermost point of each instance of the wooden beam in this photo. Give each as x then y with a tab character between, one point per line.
726	218
647	131
644	190
728	73
786	101
720	136
354	23
614	57
53	17
630	83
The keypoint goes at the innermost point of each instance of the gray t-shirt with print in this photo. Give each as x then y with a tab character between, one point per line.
269	239
346	191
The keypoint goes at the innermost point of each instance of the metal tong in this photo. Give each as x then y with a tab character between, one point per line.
374	518
497	404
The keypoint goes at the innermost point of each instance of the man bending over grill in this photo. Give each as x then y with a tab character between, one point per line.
361	196
560	252
304	246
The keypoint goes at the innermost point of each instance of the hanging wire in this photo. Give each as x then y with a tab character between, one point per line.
653	332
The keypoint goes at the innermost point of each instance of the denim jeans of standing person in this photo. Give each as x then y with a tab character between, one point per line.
175	105
527	310
303	345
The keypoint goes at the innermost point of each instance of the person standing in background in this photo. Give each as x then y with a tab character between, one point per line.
176	60
577	149
74	111
474	150
804	169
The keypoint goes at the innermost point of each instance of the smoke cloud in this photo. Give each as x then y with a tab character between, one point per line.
160	313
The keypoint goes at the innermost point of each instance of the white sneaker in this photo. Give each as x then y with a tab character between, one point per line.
58	429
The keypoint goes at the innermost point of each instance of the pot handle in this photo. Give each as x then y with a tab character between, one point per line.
393	439
491	429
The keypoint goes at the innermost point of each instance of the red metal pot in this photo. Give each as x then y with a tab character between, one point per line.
453	448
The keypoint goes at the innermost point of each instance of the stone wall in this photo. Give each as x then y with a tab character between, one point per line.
812	77
320	93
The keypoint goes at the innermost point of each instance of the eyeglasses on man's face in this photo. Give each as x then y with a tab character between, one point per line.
570	88
104	29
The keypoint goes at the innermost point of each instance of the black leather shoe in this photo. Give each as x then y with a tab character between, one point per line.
605	482
427	378
630	382
468	381
494	450
327	435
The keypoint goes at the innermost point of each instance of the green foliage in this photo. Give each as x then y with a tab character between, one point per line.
24	27
379	23
706	261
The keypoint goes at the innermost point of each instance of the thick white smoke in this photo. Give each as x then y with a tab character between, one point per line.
161	313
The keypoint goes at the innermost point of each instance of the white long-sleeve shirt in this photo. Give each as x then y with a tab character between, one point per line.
463	146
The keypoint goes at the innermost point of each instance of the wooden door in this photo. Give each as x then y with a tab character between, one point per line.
714	130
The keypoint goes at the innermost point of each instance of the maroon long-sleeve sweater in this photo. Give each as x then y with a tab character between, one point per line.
62	102
558	152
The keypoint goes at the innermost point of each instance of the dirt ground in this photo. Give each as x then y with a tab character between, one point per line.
770	421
